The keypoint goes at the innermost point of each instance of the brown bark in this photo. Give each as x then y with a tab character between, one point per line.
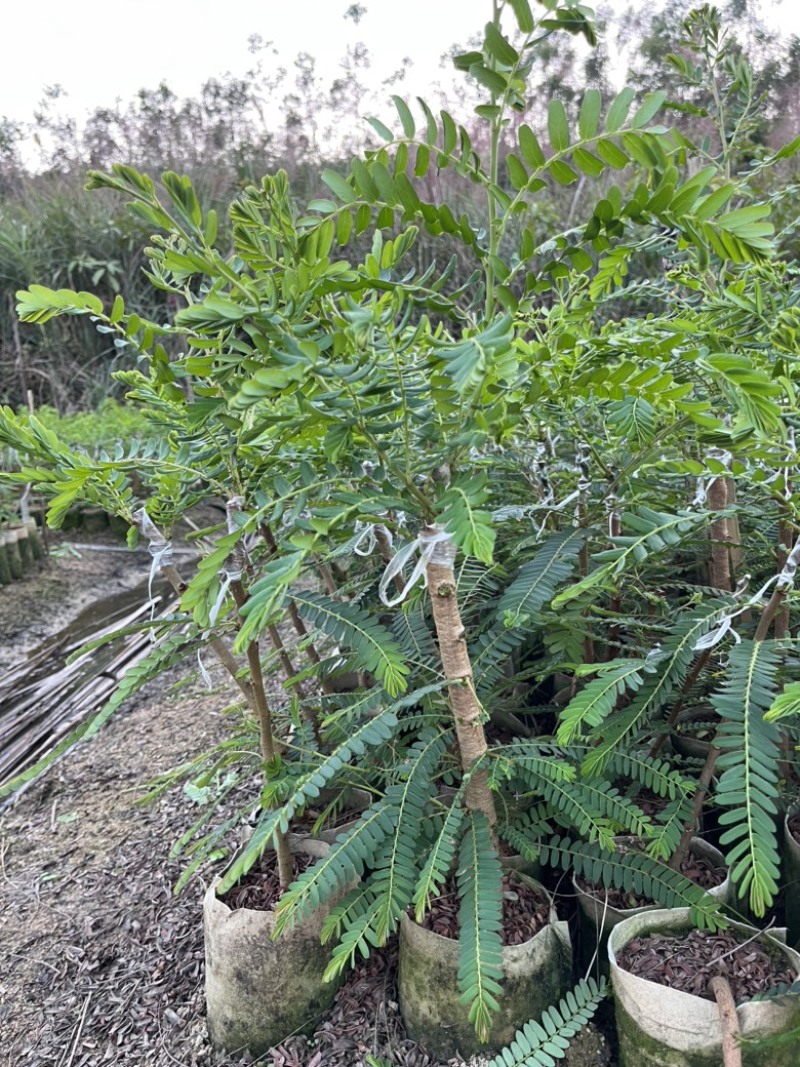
719	532
772	608
327	578
694	819
734	534
266	738
461	689
691	678
218	646
729	1021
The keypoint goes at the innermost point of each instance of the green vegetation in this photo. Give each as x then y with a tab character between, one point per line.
510	505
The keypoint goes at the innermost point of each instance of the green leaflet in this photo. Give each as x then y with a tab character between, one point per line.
390	885
597	700
536	583
670	668
335	872
485	355
654	531
440	859
265	595
349	625
748	784
371	734
634	872
786	704
596	809
539	1040
480	967
462	517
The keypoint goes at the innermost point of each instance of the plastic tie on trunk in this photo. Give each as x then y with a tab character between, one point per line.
433	544
160	550
367	537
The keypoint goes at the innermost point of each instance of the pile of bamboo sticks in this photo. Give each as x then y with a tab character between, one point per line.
43	697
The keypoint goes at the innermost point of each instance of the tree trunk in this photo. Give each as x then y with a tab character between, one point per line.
719	533
464	704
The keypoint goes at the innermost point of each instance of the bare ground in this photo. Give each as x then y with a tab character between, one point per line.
102	963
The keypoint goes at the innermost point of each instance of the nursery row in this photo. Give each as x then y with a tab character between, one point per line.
20	548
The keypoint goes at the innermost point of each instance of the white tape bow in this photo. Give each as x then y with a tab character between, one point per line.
434	545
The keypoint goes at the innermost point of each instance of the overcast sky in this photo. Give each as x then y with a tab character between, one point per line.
101	50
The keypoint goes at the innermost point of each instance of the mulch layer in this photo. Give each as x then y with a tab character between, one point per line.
260	888
688	962
696	868
526	911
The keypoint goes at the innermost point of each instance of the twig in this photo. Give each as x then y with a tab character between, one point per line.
755	937
598	939
79	1030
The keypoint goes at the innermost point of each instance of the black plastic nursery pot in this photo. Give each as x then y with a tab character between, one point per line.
662	1027
535	975
260	990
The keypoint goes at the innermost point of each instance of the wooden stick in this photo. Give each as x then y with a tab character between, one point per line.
728	1020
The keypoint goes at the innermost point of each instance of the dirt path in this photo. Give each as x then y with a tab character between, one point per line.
102	964
54	593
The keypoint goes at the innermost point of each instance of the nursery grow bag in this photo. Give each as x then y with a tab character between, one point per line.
536	973
260	990
12	553
598	919
5	569
685	743
791	872
662	1027
33	539
24	546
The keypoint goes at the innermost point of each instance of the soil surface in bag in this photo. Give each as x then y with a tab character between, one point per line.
688	962
794	827
260	888
526	911
697	869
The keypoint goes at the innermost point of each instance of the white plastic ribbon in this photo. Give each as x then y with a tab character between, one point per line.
204	672
725	626
434	545
160	550
367	539
158	546
24	503
232	575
